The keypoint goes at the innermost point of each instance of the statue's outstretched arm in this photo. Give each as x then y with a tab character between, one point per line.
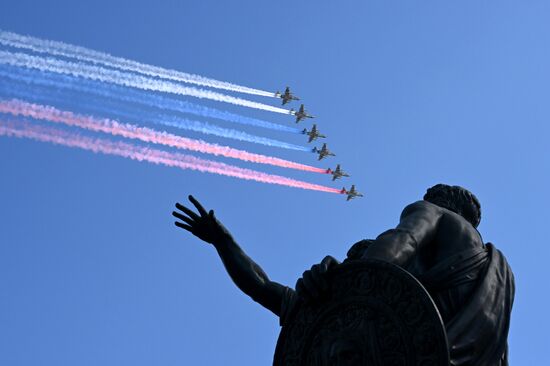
246	274
417	227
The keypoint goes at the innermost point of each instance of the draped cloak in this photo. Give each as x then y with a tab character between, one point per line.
474	292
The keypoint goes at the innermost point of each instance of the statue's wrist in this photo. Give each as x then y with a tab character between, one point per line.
224	242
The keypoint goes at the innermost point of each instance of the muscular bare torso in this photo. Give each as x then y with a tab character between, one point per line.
453	235
427	233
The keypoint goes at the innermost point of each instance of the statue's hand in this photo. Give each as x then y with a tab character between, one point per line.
313	284
205	226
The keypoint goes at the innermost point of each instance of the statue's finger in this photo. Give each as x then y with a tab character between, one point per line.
187	211
183	226
199	207
324	264
183	218
317	276
301	290
328	262
310	284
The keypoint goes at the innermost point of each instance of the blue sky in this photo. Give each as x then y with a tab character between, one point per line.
92	270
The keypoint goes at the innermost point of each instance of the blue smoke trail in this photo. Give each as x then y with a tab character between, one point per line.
134	96
127	79
94	105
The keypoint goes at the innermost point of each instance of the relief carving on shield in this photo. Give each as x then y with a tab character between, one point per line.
375	314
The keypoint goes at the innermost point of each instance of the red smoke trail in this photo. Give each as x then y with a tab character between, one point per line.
20	108
134	152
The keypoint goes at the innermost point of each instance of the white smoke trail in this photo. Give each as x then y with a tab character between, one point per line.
87	55
124	78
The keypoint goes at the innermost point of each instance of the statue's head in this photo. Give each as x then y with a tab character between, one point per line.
456	199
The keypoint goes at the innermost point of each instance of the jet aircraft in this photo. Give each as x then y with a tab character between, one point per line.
313	134
301	114
337	173
323	152
287	96
352	193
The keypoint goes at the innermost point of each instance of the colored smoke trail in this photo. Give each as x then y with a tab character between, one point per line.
48	113
124	79
134	152
133	96
146	116
87	55
209	129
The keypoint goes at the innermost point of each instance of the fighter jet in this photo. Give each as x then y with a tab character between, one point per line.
337	173
301	114
286	96
313	134
352	193
324	152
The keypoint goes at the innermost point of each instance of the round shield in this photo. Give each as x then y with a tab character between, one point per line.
375	313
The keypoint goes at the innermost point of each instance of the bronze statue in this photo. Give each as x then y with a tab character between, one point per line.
436	241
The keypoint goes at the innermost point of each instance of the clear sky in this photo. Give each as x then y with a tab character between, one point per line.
92	270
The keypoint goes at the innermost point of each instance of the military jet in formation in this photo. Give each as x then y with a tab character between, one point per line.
313	134
287	96
323	152
337	173
301	114
352	193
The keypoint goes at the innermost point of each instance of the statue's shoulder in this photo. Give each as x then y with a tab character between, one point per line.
375	311
421	207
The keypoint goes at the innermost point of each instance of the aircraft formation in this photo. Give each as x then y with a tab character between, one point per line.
72	86
301	114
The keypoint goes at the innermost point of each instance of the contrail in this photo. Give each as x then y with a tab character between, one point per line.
128	112
87	55
20	129
21	108
124	79
133	96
